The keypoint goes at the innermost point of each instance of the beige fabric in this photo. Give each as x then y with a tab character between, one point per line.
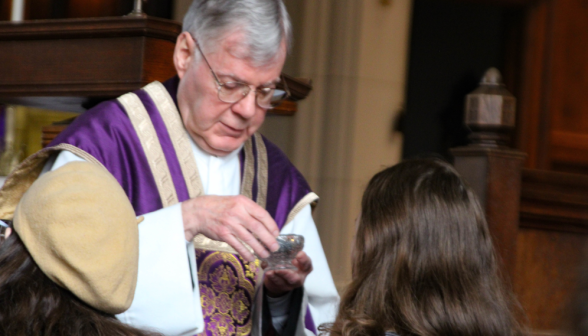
310	198
262	170
80	228
248	170
19	181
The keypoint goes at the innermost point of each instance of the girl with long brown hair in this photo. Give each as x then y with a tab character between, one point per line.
423	260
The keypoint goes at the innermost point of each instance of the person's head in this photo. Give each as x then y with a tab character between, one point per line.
243	41
423	260
71	261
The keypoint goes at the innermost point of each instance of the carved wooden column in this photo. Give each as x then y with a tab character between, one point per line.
492	168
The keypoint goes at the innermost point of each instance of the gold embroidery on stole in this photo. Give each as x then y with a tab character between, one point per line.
178	135
151	146
248	172
262	170
225	301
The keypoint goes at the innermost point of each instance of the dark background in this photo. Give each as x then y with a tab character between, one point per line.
452	45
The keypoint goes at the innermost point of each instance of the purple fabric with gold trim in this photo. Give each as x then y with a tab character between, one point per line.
227	288
227	282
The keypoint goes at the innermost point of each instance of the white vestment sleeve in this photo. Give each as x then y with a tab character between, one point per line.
319	287
167	297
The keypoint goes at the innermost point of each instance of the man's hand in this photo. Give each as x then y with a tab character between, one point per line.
231	219
279	282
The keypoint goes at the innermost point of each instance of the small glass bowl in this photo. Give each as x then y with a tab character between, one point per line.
290	245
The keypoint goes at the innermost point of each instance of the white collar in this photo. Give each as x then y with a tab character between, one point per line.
200	152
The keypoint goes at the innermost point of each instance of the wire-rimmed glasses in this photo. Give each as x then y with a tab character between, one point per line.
232	92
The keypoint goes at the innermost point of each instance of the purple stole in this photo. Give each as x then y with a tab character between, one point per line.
122	142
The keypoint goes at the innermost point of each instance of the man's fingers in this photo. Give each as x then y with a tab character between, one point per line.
262	234
303	262
235	220
245	236
279	280
263	217
289	278
242	250
259	222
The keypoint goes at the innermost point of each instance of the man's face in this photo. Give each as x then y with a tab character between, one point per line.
218	127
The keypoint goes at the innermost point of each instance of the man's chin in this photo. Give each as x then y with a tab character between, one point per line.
224	148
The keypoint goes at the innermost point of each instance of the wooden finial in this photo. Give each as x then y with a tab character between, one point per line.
490	111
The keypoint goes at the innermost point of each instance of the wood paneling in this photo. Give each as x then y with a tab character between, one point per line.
158	59
552	235
554	201
569	67
532	114
553	115
546	275
542	245
111	56
569	151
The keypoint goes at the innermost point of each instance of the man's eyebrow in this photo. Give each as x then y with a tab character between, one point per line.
231	76
237	79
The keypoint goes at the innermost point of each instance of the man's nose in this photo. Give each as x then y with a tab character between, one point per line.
247	106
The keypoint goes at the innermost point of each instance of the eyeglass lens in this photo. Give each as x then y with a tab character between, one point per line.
232	92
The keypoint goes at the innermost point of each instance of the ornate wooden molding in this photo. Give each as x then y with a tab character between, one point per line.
554	201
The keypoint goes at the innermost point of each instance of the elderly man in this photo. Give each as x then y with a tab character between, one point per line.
188	156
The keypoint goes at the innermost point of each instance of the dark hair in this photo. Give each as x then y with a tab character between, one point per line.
32	304
423	261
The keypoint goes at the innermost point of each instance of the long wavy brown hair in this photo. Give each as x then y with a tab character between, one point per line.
32	304
423	260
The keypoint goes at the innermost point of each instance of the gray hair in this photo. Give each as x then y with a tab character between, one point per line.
265	23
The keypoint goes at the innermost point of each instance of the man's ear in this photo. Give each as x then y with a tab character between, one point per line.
183	53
